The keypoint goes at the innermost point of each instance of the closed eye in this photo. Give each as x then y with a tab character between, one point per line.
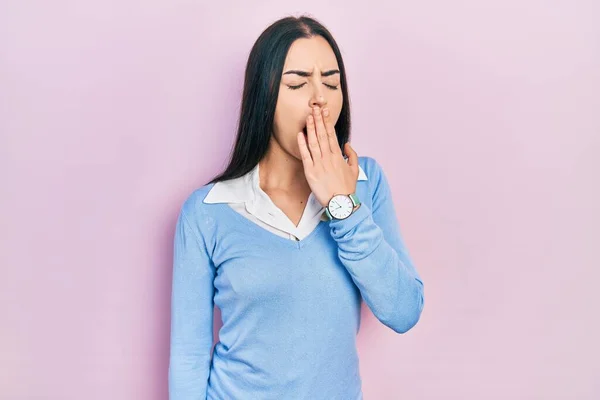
299	86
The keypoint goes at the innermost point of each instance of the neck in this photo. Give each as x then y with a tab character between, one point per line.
281	171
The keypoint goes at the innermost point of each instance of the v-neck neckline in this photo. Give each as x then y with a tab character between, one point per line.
293	243
260	197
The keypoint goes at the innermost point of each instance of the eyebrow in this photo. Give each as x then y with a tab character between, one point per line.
306	74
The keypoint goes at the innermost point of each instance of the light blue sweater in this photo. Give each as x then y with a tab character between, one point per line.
290	309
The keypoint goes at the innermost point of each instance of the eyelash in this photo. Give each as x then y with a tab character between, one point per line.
299	86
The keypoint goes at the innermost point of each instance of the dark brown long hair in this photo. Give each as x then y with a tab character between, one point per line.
261	89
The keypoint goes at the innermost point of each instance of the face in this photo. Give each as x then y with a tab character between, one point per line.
310	78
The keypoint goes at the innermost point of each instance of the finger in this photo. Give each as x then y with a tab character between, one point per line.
334	145
313	142
321	133
304	152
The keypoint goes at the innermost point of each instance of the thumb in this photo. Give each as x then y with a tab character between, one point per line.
352	157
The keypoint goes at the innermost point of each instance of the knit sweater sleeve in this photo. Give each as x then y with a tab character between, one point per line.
191	313
371	248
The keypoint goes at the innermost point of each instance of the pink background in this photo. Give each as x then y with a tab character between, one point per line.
484	115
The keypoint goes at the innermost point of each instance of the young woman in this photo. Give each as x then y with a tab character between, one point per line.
288	240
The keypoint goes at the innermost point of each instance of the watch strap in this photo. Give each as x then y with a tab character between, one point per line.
354	199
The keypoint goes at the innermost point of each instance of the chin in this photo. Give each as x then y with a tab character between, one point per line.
296	154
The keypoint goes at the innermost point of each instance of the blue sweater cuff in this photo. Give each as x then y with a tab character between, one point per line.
340	227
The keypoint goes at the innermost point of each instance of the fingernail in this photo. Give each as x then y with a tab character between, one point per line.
326	112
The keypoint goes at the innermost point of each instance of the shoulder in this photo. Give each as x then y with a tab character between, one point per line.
193	206
378	185
200	218
372	168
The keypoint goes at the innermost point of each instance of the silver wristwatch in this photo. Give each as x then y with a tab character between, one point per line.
341	206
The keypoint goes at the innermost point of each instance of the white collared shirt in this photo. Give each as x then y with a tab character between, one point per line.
245	196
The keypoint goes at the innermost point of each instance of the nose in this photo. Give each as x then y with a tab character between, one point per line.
317	100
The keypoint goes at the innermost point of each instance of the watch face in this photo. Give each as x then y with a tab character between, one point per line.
340	206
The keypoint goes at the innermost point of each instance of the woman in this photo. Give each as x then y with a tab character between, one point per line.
288	240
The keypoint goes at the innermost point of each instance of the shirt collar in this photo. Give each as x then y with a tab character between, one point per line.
245	189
